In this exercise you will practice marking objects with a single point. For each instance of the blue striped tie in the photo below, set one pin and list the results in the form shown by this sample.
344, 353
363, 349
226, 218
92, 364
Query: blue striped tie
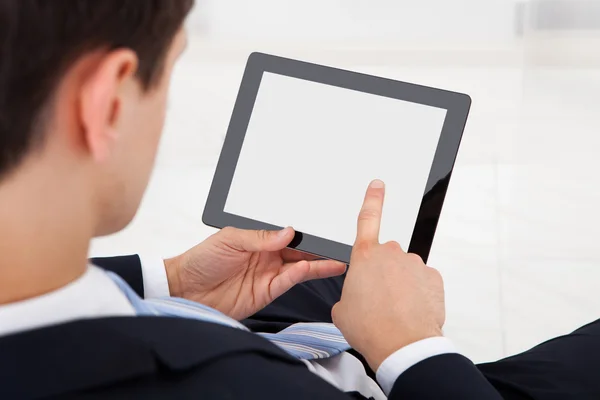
306, 341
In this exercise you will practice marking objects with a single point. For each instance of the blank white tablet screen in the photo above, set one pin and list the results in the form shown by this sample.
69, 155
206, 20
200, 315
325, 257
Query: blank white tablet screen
311, 151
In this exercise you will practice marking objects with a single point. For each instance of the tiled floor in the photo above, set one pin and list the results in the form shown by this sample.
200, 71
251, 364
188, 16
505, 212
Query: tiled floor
517, 239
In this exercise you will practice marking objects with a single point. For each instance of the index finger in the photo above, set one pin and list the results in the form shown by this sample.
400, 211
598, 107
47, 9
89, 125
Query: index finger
369, 219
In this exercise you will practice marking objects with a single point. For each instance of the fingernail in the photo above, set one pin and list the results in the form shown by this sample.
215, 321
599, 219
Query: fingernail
377, 184
283, 232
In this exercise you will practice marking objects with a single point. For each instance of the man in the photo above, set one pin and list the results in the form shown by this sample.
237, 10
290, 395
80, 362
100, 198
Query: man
83, 87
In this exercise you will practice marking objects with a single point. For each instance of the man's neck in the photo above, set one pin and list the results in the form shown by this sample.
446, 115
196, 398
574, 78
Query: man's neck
44, 235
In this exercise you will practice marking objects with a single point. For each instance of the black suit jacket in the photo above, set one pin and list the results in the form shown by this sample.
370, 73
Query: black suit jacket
172, 358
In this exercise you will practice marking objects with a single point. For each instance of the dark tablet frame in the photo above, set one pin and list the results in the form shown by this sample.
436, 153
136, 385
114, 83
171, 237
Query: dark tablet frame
456, 104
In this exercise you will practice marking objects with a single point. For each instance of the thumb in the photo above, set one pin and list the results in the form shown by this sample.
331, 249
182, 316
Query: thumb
335, 314
263, 240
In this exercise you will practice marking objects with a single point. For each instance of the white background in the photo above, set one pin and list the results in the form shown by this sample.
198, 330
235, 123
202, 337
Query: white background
517, 242
311, 150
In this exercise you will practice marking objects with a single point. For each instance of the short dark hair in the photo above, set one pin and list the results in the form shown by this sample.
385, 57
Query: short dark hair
41, 39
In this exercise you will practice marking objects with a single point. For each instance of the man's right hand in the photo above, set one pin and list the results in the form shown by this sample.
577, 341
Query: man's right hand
390, 299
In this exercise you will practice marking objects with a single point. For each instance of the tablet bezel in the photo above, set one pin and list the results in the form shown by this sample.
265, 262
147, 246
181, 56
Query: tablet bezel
456, 104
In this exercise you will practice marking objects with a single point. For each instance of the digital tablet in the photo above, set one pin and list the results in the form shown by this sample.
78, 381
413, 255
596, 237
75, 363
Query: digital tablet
305, 141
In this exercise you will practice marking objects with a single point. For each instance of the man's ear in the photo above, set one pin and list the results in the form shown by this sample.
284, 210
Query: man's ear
101, 101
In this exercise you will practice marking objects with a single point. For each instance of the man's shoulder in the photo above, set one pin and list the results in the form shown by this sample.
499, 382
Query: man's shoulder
130, 356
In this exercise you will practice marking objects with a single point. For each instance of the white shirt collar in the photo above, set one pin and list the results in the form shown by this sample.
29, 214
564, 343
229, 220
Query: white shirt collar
93, 295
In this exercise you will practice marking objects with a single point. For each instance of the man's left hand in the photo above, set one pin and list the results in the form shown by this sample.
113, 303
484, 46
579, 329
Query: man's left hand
239, 272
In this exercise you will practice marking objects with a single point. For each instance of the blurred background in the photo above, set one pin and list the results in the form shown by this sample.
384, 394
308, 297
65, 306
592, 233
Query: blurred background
517, 238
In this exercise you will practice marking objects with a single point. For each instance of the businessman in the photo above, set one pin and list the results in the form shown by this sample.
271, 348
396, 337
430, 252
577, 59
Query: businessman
83, 87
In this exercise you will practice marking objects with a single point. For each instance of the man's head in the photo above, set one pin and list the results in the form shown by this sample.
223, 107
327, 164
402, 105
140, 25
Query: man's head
83, 91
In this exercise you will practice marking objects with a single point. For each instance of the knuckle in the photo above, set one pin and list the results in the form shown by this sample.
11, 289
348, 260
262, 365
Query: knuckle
434, 273
228, 230
415, 258
335, 314
263, 234
368, 214
393, 246
375, 193
362, 249
436, 276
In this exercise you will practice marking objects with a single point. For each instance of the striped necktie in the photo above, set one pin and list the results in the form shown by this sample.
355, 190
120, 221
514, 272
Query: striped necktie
306, 341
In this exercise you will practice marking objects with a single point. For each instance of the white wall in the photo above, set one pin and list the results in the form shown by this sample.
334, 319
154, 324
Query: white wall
467, 21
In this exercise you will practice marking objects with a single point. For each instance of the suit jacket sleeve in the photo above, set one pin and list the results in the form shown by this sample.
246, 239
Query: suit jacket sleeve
127, 267
448, 376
